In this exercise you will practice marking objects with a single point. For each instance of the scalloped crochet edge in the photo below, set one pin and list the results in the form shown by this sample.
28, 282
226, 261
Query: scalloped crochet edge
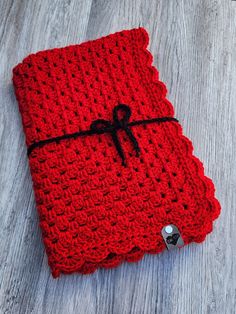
136, 254
207, 182
88, 267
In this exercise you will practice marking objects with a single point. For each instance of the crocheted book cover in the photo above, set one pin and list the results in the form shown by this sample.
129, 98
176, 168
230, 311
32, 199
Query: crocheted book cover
109, 162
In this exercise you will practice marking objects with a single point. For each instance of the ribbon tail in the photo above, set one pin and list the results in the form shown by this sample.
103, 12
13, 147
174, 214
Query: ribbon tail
118, 147
133, 140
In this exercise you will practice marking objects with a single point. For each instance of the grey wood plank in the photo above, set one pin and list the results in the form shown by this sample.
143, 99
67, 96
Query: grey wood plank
194, 48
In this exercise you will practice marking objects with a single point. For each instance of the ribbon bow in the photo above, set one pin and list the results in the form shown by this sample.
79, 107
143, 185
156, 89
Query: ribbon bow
101, 126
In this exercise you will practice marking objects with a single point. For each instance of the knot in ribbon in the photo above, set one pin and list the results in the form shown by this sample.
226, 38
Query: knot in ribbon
101, 126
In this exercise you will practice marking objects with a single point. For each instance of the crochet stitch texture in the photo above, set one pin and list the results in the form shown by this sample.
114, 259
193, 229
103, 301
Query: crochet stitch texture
93, 211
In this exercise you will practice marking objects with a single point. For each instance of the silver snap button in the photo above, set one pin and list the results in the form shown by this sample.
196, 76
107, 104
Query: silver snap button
169, 229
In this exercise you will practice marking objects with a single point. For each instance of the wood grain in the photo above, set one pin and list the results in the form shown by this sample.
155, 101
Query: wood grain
194, 48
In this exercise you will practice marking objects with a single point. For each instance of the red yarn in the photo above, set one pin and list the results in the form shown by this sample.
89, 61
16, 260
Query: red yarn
93, 211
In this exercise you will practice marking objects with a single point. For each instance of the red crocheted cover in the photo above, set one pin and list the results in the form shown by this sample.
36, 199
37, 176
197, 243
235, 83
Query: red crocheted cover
93, 211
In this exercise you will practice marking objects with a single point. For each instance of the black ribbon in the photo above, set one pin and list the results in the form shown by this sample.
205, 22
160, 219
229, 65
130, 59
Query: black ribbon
101, 126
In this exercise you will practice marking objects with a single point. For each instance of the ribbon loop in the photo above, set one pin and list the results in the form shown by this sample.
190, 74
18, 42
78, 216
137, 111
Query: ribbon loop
123, 121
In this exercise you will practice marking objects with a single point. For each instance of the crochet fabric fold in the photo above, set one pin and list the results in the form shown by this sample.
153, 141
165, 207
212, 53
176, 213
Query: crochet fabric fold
93, 211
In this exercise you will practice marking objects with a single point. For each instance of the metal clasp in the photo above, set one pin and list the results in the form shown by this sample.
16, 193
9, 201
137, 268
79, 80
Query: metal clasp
172, 237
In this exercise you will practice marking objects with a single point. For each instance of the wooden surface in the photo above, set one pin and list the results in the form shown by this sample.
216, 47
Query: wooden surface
194, 47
